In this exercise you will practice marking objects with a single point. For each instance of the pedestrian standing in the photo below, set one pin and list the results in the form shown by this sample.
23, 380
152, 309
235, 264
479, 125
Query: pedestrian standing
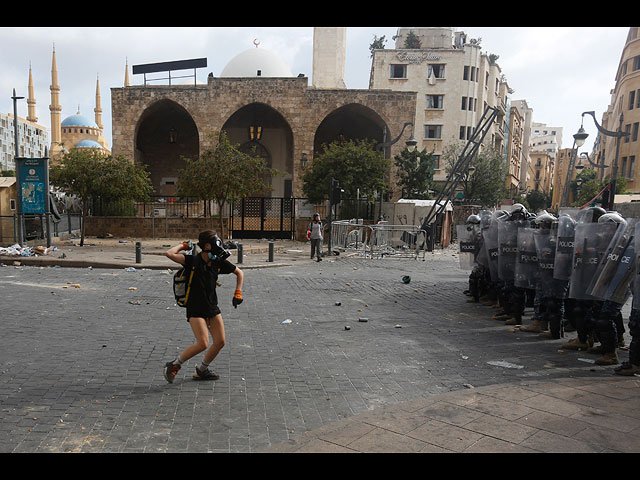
314, 233
203, 313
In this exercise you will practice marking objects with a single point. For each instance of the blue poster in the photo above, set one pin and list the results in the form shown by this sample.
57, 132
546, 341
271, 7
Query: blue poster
32, 174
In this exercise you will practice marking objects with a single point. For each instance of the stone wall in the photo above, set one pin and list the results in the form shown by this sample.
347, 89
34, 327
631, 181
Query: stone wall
302, 108
187, 228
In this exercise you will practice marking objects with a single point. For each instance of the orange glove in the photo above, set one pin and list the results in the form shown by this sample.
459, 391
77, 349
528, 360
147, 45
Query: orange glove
237, 298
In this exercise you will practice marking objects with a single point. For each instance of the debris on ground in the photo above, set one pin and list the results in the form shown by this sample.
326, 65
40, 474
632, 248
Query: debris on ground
17, 251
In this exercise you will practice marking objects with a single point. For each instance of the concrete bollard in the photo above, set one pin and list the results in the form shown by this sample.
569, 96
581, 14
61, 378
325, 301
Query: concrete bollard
239, 253
271, 251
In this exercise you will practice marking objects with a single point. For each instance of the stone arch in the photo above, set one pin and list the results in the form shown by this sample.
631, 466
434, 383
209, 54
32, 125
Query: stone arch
272, 138
351, 122
165, 135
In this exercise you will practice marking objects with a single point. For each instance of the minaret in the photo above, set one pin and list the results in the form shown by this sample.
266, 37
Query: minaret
98, 109
55, 108
329, 57
31, 100
126, 73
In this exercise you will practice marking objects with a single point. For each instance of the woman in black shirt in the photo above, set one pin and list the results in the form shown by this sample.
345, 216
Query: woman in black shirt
203, 313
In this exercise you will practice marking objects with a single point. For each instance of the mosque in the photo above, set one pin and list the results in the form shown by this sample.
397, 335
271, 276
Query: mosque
259, 103
75, 131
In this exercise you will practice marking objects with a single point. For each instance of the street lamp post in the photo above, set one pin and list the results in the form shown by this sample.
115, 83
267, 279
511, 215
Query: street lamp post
618, 134
20, 231
578, 140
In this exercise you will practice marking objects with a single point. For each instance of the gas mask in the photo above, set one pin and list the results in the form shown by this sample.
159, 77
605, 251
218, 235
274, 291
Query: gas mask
217, 251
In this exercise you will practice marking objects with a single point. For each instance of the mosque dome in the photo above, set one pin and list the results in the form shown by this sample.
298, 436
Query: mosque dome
78, 120
88, 144
256, 62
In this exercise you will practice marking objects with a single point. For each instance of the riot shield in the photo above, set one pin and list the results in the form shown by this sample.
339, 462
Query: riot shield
469, 244
490, 241
546, 247
507, 249
564, 247
611, 280
590, 244
635, 285
526, 268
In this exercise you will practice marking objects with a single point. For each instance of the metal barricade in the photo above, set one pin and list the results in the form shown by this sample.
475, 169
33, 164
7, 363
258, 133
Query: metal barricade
396, 241
380, 240
348, 235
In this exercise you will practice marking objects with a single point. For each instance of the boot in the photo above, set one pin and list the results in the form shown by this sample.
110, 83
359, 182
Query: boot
575, 344
596, 349
627, 369
513, 321
535, 327
610, 358
501, 316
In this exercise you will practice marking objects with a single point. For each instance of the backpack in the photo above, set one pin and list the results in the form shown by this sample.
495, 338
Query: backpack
182, 281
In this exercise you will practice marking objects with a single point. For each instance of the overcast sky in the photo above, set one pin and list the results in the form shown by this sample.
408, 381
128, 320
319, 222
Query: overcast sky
560, 71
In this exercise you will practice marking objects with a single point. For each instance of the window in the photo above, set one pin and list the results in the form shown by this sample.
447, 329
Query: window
462, 130
627, 128
465, 74
638, 99
436, 162
464, 103
636, 63
634, 134
433, 131
436, 69
632, 161
398, 71
474, 74
12, 203
632, 99
435, 101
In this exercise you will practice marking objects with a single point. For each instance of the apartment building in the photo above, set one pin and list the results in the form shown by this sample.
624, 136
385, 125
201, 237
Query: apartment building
625, 105
455, 81
32, 140
541, 172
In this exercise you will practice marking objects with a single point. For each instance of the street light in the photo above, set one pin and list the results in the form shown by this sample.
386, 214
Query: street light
618, 134
578, 140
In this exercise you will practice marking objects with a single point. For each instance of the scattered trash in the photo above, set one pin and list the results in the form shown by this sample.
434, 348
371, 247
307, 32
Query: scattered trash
363, 320
406, 279
130, 269
347, 327
338, 304
464, 357
505, 364
136, 302
398, 326
587, 360
17, 251
132, 288
285, 322
122, 241
467, 385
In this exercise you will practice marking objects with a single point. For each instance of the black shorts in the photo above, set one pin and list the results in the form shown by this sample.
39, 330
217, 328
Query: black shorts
212, 312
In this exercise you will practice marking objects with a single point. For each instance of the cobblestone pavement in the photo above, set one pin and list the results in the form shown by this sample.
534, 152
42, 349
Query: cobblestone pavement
82, 351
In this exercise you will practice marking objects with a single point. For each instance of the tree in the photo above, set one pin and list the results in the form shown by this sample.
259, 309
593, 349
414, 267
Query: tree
224, 174
590, 186
415, 173
537, 200
356, 164
90, 173
486, 184
412, 41
377, 44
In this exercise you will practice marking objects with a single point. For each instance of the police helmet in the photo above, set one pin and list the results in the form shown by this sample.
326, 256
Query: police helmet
545, 218
612, 217
597, 212
473, 219
519, 211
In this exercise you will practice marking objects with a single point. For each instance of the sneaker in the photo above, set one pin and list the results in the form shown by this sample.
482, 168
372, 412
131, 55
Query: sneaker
170, 371
627, 369
206, 375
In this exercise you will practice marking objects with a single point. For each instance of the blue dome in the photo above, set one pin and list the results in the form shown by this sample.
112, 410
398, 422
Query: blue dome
78, 121
88, 144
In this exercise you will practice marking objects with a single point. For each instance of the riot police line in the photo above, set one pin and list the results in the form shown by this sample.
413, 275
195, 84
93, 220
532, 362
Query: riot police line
576, 270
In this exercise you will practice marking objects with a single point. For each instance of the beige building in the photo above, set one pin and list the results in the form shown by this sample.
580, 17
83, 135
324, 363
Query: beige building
561, 166
8, 199
514, 151
454, 80
541, 172
625, 103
